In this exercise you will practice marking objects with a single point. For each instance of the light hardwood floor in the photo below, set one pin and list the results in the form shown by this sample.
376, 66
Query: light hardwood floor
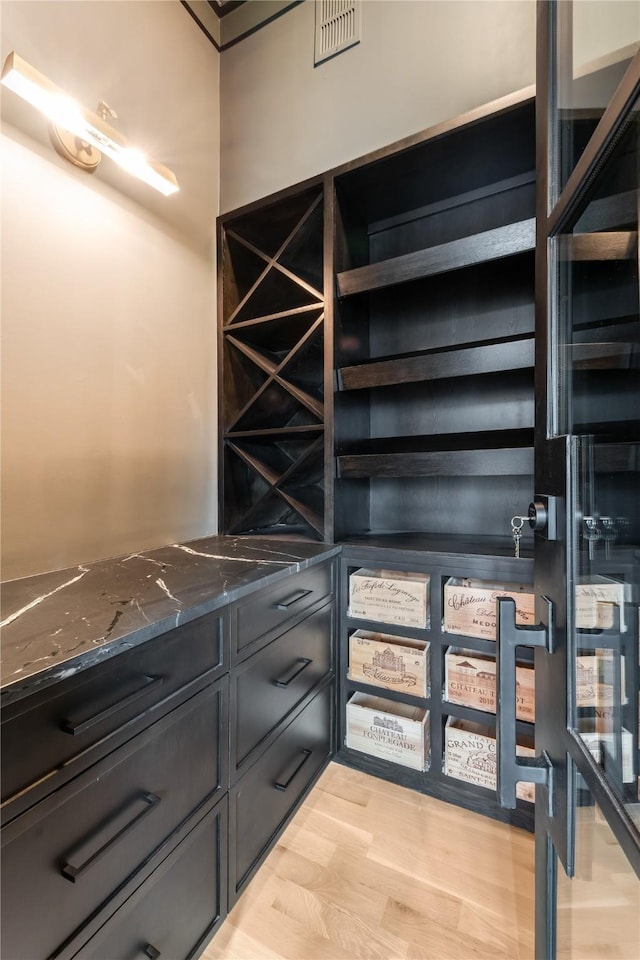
367, 869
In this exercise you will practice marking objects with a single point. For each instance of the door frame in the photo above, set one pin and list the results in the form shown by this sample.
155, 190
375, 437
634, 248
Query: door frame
555, 835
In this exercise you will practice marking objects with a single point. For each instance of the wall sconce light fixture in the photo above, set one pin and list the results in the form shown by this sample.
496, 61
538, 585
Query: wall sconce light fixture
81, 135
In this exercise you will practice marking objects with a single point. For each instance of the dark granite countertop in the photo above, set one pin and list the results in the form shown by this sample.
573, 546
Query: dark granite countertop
56, 624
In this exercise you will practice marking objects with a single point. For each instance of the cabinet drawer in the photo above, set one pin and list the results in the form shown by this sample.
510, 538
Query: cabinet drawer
265, 688
266, 795
178, 906
258, 616
62, 722
68, 855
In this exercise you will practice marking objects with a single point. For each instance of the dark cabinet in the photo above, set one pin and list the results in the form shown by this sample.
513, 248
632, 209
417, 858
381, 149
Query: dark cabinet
115, 838
77, 720
259, 617
262, 801
72, 852
267, 687
179, 908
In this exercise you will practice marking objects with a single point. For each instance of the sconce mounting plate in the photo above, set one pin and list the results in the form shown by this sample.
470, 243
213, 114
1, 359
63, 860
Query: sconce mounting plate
73, 148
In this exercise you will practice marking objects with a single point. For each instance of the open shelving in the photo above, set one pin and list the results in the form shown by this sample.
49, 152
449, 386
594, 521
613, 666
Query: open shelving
434, 333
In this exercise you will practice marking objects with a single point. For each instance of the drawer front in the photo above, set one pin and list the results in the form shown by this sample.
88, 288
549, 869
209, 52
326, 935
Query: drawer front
265, 796
269, 610
268, 686
70, 853
180, 904
61, 723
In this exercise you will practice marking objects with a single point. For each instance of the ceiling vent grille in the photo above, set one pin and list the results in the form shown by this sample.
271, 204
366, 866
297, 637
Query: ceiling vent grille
338, 26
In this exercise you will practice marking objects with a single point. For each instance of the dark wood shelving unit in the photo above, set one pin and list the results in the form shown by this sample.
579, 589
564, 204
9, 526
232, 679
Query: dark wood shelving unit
433, 404
272, 344
424, 344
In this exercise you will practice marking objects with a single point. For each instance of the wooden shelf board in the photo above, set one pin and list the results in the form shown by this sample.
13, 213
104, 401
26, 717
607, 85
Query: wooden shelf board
308, 514
613, 245
496, 548
441, 442
316, 447
393, 695
264, 363
282, 315
481, 248
311, 403
274, 432
605, 356
491, 357
509, 461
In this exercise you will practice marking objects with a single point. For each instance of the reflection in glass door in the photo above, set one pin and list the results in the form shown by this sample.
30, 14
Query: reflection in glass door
597, 377
587, 552
599, 910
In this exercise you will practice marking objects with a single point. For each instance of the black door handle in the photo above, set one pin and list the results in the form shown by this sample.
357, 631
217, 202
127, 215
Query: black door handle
95, 847
283, 782
75, 727
296, 598
294, 671
512, 769
151, 952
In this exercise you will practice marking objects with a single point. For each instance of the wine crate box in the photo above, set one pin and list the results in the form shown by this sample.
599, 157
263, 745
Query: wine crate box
395, 663
391, 731
470, 680
470, 607
595, 602
390, 596
470, 755
595, 680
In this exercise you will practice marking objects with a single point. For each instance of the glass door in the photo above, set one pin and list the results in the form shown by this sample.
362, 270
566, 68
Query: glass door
586, 514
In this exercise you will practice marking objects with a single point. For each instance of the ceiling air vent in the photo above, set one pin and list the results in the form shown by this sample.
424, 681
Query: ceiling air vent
338, 26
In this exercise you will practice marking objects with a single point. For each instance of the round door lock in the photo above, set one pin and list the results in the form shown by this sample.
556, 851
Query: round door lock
537, 515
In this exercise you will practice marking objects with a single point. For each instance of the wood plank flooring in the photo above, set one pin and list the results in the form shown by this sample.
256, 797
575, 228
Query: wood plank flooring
367, 869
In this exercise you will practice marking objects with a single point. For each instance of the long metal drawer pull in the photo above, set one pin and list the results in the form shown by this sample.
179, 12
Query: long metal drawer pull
75, 727
511, 768
151, 952
73, 872
296, 598
294, 671
285, 780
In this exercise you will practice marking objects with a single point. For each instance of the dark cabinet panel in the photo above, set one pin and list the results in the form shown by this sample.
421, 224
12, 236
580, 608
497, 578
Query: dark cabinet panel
265, 688
101, 704
73, 851
179, 907
267, 794
262, 614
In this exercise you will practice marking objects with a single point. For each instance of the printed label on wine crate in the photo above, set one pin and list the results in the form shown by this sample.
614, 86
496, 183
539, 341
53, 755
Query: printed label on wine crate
596, 602
470, 606
470, 680
470, 755
391, 731
390, 596
609, 750
395, 663
595, 680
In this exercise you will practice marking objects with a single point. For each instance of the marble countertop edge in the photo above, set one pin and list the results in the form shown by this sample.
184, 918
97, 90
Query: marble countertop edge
57, 624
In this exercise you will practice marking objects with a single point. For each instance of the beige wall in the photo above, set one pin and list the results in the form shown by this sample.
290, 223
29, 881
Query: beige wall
108, 306
419, 62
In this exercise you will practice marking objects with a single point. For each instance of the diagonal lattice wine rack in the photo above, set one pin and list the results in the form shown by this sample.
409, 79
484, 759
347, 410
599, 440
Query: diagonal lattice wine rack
273, 368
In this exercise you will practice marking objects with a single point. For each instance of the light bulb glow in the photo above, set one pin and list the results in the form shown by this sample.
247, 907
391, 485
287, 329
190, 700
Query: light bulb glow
24, 80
